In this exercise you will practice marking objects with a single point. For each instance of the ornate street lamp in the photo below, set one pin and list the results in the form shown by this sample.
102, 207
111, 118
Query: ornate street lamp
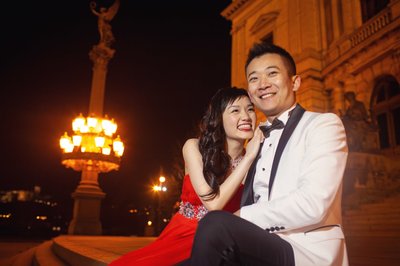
93, 140
93, 147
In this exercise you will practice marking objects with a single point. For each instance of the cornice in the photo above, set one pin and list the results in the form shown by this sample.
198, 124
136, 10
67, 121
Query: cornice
233, 8
263, 20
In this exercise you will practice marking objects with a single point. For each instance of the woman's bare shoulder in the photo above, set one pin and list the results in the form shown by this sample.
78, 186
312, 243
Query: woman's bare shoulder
191, 144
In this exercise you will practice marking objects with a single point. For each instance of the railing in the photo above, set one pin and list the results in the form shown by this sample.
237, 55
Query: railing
371, 27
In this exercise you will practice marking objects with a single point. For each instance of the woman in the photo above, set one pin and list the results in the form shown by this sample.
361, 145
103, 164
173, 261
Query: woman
215, 168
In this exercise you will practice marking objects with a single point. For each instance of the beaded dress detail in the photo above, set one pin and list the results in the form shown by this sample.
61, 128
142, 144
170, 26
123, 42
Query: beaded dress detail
191, 206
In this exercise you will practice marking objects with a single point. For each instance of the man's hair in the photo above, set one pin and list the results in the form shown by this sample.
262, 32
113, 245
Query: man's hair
263, 48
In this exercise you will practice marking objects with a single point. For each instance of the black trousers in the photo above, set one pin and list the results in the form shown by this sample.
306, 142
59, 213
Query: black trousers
225, 239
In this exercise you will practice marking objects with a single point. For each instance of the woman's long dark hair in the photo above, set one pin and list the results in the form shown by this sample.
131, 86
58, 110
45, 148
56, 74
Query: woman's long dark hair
212, 140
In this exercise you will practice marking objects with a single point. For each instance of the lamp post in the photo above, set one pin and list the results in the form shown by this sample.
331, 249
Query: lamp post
94, 146
159, 189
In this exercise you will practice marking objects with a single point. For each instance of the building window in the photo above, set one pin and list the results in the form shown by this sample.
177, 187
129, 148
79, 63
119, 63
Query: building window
386, 111
370, 8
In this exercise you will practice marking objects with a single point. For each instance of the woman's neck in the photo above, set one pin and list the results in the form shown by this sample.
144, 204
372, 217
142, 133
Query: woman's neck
235, 148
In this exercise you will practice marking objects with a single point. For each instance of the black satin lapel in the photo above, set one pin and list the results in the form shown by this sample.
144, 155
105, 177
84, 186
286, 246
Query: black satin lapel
247, 194
291, 124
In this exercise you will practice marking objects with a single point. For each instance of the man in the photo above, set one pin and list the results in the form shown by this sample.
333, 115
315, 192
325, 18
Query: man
291, 204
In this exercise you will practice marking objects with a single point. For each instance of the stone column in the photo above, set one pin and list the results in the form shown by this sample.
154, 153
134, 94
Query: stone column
88, 195
239, 55
87, 201
100, 55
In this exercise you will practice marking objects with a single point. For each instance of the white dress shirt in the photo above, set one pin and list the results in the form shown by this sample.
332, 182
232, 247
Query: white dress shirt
264, 164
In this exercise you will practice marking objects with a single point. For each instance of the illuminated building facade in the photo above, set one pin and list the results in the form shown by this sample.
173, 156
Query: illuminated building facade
346, 51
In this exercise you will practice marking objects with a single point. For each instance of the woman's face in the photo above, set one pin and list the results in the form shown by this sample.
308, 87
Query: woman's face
239, 119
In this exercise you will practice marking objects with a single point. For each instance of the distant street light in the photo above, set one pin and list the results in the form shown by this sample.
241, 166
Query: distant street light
160, 187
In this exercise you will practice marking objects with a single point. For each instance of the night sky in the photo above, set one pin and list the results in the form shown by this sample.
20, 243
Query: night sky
171, 56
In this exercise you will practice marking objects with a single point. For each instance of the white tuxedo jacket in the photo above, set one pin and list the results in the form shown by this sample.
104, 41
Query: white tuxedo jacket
304, 207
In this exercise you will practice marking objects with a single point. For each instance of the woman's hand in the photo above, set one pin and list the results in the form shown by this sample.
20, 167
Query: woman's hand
254, 144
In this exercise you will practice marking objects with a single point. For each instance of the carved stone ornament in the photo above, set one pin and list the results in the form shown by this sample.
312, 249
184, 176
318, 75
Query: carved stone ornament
263, 21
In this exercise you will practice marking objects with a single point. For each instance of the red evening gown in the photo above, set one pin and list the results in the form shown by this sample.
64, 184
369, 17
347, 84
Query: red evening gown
175, 242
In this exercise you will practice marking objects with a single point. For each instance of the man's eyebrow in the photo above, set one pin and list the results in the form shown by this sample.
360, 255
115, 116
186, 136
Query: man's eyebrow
273, 67
251, 73
269, 67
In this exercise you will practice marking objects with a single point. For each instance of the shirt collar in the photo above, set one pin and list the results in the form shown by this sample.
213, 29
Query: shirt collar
284, 117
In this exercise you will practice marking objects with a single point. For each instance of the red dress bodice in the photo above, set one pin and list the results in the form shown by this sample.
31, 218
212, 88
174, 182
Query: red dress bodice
189, 195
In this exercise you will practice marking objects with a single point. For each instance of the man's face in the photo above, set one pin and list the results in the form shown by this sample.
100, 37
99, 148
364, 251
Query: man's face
271, 88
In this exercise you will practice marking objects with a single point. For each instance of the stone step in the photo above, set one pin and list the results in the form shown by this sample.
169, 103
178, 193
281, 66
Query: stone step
44, 256
372, 234
372, 230
378, 247
382, 207
371, 211
373, 250
22, 259
375, 224
355, 215
95, 250
390, 200
371, 217
391, 203
395, 198
25, 258
374, 219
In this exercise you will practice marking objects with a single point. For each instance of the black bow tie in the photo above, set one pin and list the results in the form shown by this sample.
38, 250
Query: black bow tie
276, 124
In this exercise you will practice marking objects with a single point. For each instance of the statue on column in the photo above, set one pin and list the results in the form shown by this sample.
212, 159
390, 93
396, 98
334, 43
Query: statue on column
105, 15
357, 124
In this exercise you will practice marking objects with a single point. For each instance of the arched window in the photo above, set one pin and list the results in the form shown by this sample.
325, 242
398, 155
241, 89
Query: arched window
385, 106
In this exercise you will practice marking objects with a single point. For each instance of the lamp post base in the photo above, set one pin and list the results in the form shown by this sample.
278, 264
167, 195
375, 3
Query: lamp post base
86, 216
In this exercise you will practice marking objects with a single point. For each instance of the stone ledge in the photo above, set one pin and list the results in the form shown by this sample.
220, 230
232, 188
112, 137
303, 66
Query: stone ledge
44, 256
95, 250
101, 250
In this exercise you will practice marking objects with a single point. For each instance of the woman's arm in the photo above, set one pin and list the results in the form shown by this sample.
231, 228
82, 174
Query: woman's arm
194, 167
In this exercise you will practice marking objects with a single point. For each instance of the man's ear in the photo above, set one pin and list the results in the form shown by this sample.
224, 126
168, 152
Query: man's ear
296, 81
